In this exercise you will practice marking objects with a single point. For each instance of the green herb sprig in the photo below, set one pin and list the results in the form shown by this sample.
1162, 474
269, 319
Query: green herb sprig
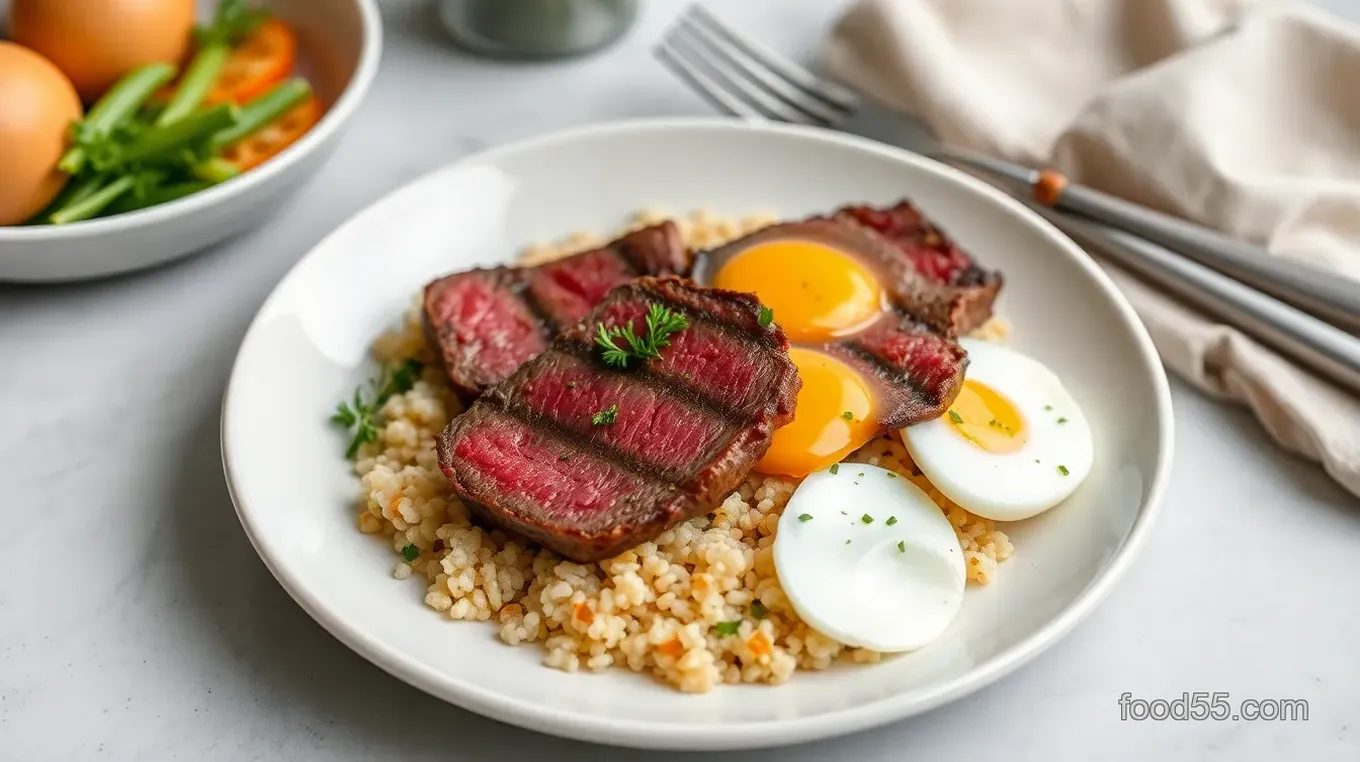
661, 321
362, 416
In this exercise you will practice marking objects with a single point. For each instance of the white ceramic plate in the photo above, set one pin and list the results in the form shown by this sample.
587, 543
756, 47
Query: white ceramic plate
307, 348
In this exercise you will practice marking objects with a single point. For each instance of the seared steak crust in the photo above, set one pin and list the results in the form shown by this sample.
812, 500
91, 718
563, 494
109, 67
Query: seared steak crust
530, 456
936, 257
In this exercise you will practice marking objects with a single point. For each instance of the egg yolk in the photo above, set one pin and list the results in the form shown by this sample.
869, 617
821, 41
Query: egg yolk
833, 417
816, 292
986, 419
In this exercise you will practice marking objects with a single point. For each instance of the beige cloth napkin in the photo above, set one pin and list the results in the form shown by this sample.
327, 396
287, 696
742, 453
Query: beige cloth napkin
1243, 116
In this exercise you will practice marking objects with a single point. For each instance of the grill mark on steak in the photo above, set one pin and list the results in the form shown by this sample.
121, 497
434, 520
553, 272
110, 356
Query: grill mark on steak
678, 387
486, 323
655, 488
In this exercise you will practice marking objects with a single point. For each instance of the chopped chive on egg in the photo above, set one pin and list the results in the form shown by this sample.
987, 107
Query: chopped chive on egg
998, 426
873, 593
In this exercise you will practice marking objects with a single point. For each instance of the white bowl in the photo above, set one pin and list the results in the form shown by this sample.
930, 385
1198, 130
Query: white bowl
340, 42
306, 349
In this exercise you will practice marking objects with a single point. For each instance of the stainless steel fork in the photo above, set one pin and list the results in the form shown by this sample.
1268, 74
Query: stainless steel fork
741, 77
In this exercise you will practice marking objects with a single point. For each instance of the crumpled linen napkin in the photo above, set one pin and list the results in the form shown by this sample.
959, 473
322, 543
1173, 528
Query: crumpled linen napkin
1240, 115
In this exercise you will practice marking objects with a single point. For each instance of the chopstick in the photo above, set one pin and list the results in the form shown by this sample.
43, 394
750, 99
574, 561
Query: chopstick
1313, 343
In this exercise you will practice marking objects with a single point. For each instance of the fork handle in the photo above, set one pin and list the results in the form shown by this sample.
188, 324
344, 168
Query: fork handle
1319, 346
1328, 296
1333, 298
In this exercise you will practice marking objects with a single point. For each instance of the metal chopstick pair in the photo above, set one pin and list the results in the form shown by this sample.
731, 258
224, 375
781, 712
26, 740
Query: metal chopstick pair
1295, 309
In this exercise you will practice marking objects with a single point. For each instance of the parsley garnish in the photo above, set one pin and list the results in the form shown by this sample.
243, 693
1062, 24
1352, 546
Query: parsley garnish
606, 417
1048, 407
1062, 420
728, 628
363, 416
835, 468
867, 519
766, 317
758, 610
955, 417
410, 553
902, 546
805, 517
891, 520
562, 457
1063, 470
892, 475
847, 415
847, 542
860, 475
661, 321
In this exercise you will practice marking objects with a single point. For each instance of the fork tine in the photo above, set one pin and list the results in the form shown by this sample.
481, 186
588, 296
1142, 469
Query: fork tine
701, 83
771, 81
683, 46
829, 91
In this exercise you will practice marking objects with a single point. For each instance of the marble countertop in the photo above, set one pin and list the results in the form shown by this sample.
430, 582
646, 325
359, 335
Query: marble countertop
136, 622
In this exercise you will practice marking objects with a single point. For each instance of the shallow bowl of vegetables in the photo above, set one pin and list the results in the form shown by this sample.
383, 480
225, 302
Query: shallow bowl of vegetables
152, 132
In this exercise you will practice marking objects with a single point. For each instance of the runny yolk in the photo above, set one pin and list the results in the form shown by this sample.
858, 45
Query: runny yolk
986, 419
816, 292
833, 417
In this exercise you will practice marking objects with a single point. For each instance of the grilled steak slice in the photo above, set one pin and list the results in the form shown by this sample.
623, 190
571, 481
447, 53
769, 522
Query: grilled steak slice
909, 352
486, 323
936, 257
686, 428
916, 373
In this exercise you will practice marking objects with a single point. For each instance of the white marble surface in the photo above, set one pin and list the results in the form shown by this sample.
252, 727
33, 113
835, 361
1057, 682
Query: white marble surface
136, 623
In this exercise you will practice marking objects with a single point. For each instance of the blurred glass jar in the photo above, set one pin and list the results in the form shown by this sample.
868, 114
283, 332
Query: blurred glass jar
536, 28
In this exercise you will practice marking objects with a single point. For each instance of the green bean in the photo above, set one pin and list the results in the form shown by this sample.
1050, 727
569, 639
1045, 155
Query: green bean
263, 110
115, 108
94, 203
157, 142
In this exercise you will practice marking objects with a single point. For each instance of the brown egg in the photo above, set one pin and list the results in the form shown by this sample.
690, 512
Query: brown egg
97, 41
37, 106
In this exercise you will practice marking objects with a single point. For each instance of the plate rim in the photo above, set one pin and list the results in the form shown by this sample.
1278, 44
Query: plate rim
645, 734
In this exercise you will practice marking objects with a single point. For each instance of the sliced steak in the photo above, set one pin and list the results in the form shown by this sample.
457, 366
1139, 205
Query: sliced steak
936, 257
686, 430
915, 371
909, 352
487, 323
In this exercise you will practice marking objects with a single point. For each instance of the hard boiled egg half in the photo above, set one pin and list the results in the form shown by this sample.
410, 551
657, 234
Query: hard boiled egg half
867, 558
1013, 444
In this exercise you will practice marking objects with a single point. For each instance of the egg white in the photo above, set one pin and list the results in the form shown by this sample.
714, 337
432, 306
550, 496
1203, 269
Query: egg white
849, 579
1052, 463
